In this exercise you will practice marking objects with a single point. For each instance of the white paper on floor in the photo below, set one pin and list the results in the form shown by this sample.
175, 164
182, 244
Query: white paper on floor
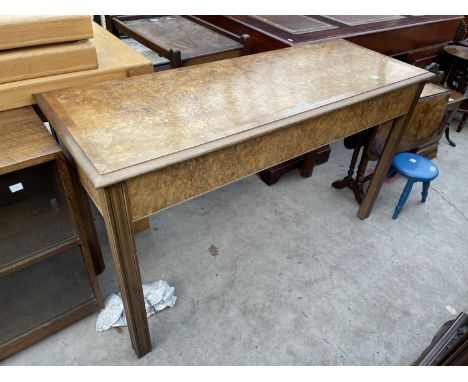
157, 295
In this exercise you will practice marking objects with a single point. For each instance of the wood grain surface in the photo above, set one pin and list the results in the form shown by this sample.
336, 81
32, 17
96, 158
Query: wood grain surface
183, 113
168, 186
433, 89
120, 233
391, 36
116, 60
24, 141
146, 143
352, 20
295, 24
424, 125
21, 31
40, 61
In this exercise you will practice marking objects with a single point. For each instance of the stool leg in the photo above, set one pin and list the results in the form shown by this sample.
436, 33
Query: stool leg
425, 190
403, 198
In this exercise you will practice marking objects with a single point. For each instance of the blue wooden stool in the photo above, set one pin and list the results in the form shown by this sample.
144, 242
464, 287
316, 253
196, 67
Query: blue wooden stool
417, 169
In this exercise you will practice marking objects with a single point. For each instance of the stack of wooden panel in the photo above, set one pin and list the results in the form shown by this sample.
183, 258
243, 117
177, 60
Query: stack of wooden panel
38, 46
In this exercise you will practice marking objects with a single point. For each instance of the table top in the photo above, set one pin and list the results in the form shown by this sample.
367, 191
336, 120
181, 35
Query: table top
192, 39
24, 141
115, 60
457, 51
300, 29
123, 129
455, 98
432, 90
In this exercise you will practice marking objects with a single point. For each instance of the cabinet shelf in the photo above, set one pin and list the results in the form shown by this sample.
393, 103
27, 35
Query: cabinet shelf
42, 255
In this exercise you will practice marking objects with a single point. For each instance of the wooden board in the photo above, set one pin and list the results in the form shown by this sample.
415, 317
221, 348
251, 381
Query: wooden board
40, 61
116, 60
21, 31
24, 141
183, 113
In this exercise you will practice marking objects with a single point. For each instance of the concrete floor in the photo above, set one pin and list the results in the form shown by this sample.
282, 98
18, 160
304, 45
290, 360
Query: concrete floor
299, 279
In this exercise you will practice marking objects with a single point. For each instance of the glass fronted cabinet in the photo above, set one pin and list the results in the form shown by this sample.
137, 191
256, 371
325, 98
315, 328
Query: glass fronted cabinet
47, 277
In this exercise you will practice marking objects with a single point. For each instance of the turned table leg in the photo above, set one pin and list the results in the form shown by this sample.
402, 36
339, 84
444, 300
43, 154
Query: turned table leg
120, 233
348, 180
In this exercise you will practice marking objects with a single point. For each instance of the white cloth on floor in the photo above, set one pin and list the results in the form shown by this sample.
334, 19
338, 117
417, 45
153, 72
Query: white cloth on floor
157, 296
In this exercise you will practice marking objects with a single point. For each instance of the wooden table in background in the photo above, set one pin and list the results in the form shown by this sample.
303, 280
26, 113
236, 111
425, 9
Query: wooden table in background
414, 39
183, 40
202, 127
418, 40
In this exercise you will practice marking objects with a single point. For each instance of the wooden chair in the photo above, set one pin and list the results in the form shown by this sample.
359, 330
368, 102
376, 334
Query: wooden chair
455, 103
456, 78
183, 40
455, 99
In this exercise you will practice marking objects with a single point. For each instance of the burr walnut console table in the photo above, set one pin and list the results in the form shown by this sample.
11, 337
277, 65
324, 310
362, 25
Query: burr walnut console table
146, 143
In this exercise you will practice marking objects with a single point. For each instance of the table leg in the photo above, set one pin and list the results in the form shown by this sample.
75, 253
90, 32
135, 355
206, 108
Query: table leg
87, 217
462, 122
447, 136
140, 225
383, 165
120, 233
309, 163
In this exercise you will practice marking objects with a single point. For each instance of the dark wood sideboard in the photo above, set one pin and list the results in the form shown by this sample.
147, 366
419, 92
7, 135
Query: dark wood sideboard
418, 40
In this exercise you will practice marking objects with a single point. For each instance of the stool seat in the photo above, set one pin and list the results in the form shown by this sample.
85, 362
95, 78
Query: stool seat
417, 169
414, 166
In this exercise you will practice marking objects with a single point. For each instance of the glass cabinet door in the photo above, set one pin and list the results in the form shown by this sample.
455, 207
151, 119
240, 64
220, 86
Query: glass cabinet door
41, 292
34, 213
